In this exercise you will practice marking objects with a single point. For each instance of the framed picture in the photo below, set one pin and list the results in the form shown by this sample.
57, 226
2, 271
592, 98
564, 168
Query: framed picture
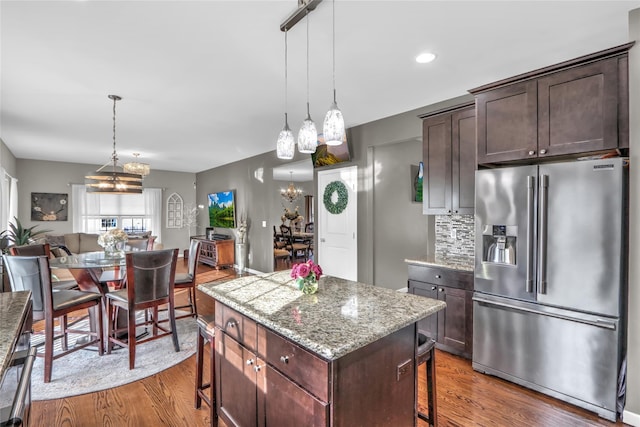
328, 155
49, 206
222, 209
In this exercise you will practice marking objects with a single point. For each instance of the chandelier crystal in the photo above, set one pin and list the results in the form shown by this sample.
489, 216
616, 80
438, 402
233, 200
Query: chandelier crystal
291, 193
333, 126
113, 182
137, 167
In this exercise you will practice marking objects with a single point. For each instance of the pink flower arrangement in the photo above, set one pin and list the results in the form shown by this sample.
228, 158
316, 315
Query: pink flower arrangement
306, 270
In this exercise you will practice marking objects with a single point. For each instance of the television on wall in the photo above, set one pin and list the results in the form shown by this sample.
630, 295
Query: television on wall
222, 209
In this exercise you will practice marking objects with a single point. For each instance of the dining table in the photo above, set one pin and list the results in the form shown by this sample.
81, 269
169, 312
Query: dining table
99, 272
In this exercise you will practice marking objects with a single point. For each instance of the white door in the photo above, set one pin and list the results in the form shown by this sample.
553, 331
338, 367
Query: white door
337, 222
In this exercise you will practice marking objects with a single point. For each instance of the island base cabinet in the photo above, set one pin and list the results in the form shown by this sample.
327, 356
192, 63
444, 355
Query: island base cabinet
235, 370
283, 403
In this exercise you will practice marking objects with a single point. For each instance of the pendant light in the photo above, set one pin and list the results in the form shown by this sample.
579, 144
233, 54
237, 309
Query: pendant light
333, 126
113, 182
286, 144
308, 135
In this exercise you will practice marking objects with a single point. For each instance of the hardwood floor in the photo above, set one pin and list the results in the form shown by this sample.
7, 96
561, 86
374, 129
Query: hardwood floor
464, 398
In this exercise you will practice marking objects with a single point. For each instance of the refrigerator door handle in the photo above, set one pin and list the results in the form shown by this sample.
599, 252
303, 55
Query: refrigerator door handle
600, 323
542, 248
530, 227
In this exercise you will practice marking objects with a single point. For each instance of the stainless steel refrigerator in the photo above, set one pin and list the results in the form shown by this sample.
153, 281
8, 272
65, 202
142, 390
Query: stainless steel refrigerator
550, 278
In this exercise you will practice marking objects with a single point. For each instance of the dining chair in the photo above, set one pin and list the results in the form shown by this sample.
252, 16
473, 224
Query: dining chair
149, 284
43, 249
188, 280
426, 354
295, 248
32, 273
308, 228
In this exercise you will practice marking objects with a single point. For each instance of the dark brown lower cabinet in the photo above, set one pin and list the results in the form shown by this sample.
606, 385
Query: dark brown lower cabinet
452, 328
264, 379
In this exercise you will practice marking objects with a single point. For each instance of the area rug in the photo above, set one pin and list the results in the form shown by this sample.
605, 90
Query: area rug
85, 371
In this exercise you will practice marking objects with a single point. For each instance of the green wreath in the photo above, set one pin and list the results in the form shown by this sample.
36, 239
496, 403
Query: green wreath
343, 197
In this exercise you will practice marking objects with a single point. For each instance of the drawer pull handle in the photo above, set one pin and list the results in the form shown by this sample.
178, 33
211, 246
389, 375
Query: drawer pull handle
433, 288
257, 368
284, 359
250, 362
441, 289
438, 276
232, 324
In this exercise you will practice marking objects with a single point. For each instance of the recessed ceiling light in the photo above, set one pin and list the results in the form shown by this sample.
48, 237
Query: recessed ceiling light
425, 57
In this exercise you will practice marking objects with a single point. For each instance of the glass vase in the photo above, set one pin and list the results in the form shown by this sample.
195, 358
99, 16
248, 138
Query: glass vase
307, 285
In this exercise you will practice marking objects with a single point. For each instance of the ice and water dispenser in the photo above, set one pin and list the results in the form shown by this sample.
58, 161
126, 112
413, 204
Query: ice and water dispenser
499, 244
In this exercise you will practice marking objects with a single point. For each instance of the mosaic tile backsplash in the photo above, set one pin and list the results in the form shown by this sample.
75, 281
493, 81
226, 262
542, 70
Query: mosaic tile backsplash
458, 250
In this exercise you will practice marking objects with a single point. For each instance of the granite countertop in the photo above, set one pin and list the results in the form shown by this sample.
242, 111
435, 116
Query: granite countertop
13, 309
441, 262
341, 317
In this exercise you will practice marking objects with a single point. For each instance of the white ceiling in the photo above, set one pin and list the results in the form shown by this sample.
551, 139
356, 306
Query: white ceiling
202, 82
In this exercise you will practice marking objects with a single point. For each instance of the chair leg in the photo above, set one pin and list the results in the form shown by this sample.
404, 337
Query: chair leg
100, 330
131, 339
194, 303
431, 388
48, 348
199, 363
213, 413
109, 326
174, 330
63, 329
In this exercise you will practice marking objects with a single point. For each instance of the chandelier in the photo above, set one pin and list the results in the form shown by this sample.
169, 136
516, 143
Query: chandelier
137, 167
291, 193
113, 182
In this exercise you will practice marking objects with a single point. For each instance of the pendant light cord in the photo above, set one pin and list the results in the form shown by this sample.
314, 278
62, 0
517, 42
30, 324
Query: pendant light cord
286, 94
333, 47
307, 16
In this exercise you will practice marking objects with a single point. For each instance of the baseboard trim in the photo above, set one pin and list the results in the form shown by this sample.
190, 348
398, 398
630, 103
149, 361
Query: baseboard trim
631, 418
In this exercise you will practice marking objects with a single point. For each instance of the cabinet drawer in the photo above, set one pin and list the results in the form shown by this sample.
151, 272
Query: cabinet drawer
237, 326
307, 370
441, 276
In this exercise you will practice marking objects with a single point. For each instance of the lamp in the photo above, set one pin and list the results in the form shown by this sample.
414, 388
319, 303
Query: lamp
286, 144
137, 167
291, 193
333, 126
308, 135
113, 182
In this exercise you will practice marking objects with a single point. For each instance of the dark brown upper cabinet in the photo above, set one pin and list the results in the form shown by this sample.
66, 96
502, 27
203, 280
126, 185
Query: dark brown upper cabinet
579, 106
449, 156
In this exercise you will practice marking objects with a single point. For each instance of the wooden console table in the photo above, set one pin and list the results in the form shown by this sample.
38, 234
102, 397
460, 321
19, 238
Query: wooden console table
218, 253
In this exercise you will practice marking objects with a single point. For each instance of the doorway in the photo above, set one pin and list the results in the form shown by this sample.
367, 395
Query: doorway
337, 226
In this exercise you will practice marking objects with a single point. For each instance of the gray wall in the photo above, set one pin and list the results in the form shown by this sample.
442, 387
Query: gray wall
55, 177
633, 342
7, 159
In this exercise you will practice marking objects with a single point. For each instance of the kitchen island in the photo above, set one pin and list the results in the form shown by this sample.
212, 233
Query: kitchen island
342, 357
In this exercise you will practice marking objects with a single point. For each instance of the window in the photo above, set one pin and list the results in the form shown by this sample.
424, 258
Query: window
97, 213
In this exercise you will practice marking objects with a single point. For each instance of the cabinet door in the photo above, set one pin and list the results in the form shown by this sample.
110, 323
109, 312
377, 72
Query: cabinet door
454, 323
436, 153
428, 324
463, 161
285, 404
507, 123
236, 399
578, 109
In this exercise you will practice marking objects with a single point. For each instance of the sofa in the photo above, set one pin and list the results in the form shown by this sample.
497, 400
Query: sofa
78, 243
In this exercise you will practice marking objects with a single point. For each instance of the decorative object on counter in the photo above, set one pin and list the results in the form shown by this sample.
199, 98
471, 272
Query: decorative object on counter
241, 247
49, 206
335, 187
113, 241
417, 183
113, 182
307, 275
